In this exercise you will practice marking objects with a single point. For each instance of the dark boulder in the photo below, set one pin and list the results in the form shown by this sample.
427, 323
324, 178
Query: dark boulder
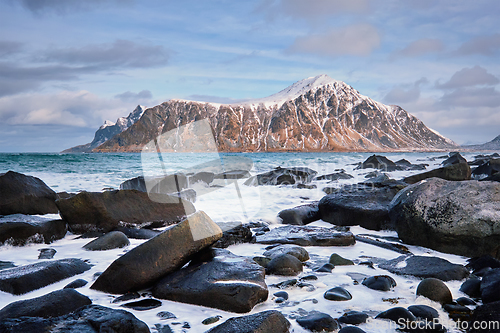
436, 290
487, 169
266, 321
224, 281
111, 240
300, 215
485, 319
451, 217
284, 264
203, 176
104, 211
282, 176
454, 159
337, 294
353, 318
335, 176
21, 194
297, 251
490, 286
472, 287
409, 166
478, 263
425, 267
451, 172
233, 174
47, 253
351, 329
318, 322
137, 183
379, 282
54, 304
76, 284
161, 255
306, 236
22, 279
396, 314
424, 312
20, 230
337, 260
89, 319
379, 162
234, 234
138, 233
143, 305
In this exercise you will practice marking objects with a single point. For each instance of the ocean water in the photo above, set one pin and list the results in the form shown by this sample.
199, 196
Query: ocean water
230, 202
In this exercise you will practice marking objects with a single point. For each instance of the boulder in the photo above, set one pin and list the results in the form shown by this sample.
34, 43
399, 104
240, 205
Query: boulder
266, 321
137, 183
22, 279
20, 230
306, 236
233, 174
282, 176
425, 267
300, 215
297, 251
337, 260
490, 286
452, 172
424, 312
362, 204
78, 283
23, 194
89, 319
284, 264
335, 176
225, 281
203, 176
241, 233
318, 322
353, 318
161, 255
351, 329
54, 304
472, 287
46, 253
138, 233
396, 314
379, 282
487, 169
143, 305
379, 162
409, 166
104, 211
485, 319
337, 294
455, 158
453, 217
111, 240
436, 290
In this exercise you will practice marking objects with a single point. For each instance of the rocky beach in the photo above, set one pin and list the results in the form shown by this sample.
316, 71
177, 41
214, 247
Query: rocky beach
351, 242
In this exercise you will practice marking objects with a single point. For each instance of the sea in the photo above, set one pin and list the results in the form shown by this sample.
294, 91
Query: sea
230, 202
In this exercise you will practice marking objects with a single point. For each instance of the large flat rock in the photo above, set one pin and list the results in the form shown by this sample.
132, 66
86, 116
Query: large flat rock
161, 255
266, 321
306, 236
21, 229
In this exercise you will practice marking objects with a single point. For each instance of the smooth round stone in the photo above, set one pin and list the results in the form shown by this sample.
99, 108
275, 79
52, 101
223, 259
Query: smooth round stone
351, 329
435, 290
309, 278
111, 240
379, 282
282, 294
353, 318
337, 294
142, 305
318, 322
424, 312
396, 314
472, 287
465, 301
326, 268
297, 251
164, 315
76, 284
284, 264
280, 300
337, 260
211, 320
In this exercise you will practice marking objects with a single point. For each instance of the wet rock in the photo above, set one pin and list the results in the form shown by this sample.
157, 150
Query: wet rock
236, 235
126, 297
465, 301
487, 169
76, 284
396, 247
233, 174
23, 194
136, 233
226, 281
20, 230
89, 319
486, 313
211, 320
54, 304
137, 183
454, 159
409, 166
88, 211
297, 251
164, 315
22, 279
286, 284
485, 261
379, 162
351, 329
163, 328
457, 312
6, 264
266, 321
281, 294
337, 294
326, 268
335, 176
396, 314
300, 215
307, 236
436, 290
46, 253
203, 176
424, 312
337, 260
452, 172
163, 254
424, 267
111, 240
452, 217
284, 264
318, 322
361, 204
490, 286
262, 261
143, 305
353, 318
472, 287
282, 176
379, 282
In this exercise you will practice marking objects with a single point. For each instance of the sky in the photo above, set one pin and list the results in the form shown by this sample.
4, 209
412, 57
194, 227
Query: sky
66, 66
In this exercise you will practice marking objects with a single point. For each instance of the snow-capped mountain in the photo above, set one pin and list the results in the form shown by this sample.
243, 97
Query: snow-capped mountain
315, 114
108, 130
491, 145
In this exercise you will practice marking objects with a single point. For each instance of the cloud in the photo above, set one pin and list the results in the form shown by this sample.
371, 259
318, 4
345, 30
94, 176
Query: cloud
404, 94
467, 77
65, 6
421, 47
358, 40
483, 45
9, 47
121, 53
71, 108
471, 97
130, 96
312, 9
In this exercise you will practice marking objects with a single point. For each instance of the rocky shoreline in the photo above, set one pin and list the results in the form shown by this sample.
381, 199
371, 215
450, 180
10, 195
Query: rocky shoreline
375, 246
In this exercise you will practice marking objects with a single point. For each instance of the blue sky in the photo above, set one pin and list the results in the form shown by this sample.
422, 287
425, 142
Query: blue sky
66, 66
